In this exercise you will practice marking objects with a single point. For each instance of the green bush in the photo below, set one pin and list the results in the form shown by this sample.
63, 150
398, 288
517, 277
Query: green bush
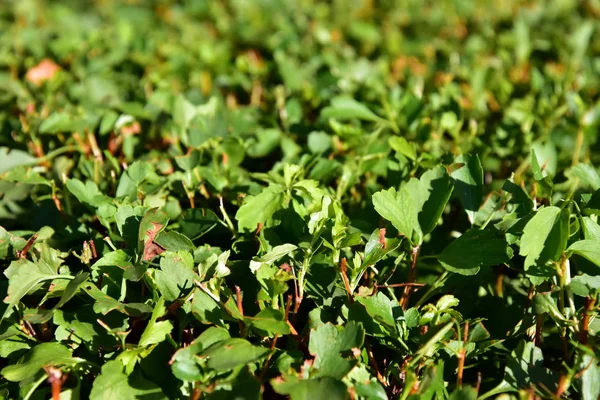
298, 198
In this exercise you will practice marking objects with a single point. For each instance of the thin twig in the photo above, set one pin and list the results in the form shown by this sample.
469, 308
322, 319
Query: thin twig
93, 248
196, 393
374, 365
461, 356
500, 281
297, 299
382, 240
288, 305
56, 380
478, 384
343, 269
539, 324
23, 253
412, 275
413, 284
238, 297
585, 323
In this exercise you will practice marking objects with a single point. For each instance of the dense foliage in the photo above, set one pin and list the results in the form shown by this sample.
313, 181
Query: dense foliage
299, 198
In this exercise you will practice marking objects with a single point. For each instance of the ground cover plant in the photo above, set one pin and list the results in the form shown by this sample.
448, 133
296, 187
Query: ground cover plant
299, 199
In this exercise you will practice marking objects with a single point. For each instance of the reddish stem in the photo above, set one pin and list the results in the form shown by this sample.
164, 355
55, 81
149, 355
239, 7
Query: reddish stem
585, 323
240, 307
30, 242
462, 355
412, 275
343, 269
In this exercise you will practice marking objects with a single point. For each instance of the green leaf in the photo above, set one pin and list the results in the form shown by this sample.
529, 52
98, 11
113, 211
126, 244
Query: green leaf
87, 192
23, 174
591, 230
186, 364
400, 208
436, 188
588, 249
156, 331
327, 343
260, 208
189, 161
474, 249
468, 182
587, 175
274, 255
44, 354
381, 309
590, 377
113, 383
13, 158
310, 389
117, 258
544, 239
175, 277
374, 250
526, 367
183, 112
59, 122
174, 241
68, 293
105, 304
546, 159
196, 222
268, 140
24, 276
319, 142
228, 354
206, 309
464, 393
270, 321
519, 197
416, 209
402, 146
344, 108
585, 285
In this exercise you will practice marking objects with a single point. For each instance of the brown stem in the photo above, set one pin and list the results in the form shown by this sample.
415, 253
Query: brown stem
382, 238
539, 324
563, 385
240, 307
585, 323
530, 296
196, 393
565, 348
93, 247
56, 380
57, 202
30, 242
343, 269
500, 282
288, 305
192, 201
478, 384
373, 364
461, 356
405, 284
84, 146
412, 275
